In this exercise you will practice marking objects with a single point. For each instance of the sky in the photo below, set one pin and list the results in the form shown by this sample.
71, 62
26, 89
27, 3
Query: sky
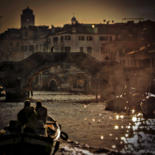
60, 12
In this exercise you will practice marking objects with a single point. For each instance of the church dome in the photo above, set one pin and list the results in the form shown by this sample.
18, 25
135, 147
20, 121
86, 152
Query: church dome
27, 11
73, 20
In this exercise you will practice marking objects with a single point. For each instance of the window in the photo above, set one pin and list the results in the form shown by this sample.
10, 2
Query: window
17, 44
67, 37
45, 47
36, 47
62, 38
26, 33
31, 48
102, 49
103, 38
81, 49
110, 38
52, 49
24, 48
81, 38
67, 49
89, 50
48, 40
40, 46
55, 39
89, 38
11, 43
62, 49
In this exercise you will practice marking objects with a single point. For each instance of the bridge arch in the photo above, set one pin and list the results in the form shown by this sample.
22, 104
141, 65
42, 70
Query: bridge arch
28, 68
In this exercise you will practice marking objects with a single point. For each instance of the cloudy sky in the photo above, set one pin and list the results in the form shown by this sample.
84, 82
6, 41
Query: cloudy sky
59, 12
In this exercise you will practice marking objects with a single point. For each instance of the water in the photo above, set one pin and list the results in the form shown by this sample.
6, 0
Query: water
90, 125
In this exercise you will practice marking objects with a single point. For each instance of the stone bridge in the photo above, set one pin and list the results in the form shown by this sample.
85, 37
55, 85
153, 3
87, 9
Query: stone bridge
112, 81
15, 76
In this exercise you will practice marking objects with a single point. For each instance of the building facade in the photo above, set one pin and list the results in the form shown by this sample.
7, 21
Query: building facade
93, 39
105, 42
75, 37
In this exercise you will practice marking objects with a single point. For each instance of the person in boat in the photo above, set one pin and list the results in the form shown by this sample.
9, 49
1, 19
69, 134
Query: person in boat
27, 118
41, 112
13, 127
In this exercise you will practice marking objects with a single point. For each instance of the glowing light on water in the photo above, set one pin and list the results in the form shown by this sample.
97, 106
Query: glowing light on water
121, 116
93, 119
85, 106
101, 137
117, 117
139, 114
93, 26
116, 127
126, 135
147, 97
122, 127
134, 119
128, 127
113, 146
100, 114
133, 111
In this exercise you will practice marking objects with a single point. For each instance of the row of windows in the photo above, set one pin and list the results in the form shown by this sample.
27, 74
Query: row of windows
55, 39
68, 49
31, 48
88, 49
82, 38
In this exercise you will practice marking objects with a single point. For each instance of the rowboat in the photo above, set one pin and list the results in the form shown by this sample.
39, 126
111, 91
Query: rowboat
29, 143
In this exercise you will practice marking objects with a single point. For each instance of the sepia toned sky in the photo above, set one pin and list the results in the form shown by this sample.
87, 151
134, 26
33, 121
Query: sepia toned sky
59, 12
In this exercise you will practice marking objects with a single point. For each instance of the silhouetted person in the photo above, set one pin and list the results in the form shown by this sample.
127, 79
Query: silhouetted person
13, 128
27, 117
41, 112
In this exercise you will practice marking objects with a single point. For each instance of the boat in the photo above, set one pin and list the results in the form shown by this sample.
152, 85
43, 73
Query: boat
25, 144
31, 144
148, 106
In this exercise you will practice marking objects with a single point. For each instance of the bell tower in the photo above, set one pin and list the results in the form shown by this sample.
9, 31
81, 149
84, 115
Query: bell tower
27, 18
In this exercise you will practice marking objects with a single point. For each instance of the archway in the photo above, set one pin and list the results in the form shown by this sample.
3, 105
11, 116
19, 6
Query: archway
53, 85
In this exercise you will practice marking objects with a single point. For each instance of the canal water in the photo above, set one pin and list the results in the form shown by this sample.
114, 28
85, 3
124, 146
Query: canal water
88, 124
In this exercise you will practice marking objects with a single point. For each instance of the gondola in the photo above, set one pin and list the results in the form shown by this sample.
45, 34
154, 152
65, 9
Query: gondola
31, 144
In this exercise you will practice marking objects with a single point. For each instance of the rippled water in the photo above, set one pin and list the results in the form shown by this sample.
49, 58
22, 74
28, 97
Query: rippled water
90, 124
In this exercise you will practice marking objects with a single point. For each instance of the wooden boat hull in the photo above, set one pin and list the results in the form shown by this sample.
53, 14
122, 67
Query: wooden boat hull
25, 144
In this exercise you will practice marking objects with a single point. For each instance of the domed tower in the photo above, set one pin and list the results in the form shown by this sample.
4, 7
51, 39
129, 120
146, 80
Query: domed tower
27, 18
73, 20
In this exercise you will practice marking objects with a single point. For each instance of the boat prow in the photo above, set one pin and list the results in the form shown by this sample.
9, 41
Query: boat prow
30, 143
25, 144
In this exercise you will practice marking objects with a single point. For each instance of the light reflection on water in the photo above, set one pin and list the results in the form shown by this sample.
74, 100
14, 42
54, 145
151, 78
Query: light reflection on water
91, 124
140, 137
